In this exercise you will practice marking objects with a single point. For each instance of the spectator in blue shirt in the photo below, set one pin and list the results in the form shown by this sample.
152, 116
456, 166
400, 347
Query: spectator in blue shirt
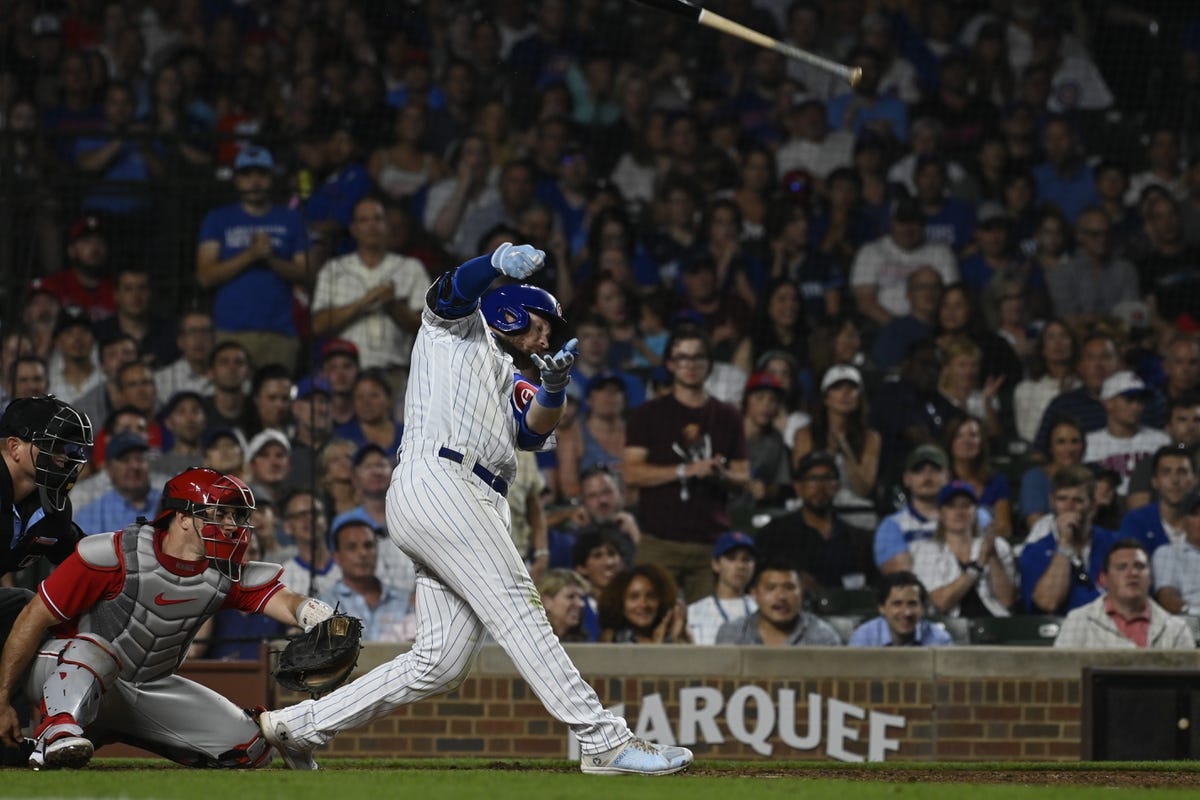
948, 220
1065, 551
863, 108
123, 154
330, 210
250, 253
900, 623
128, 466
1173, 476
381, 607
1064, 178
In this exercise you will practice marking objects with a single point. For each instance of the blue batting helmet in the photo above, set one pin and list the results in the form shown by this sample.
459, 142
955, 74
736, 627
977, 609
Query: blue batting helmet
507, 309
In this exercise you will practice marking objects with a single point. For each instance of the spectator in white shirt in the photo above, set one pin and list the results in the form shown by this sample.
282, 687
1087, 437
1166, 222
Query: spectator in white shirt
733, 562
196, 339
1123, 441
811, 146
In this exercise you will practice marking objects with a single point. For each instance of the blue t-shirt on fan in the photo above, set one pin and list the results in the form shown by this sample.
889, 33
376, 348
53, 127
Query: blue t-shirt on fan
258, 298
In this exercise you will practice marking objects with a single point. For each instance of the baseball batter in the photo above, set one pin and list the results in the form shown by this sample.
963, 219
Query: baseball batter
467, 410
121, 612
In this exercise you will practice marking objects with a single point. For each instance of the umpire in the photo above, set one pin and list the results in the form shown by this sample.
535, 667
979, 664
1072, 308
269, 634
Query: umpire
45, 444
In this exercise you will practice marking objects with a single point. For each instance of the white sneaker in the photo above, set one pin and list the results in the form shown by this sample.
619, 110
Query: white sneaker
65, 752
638, 757
295, 756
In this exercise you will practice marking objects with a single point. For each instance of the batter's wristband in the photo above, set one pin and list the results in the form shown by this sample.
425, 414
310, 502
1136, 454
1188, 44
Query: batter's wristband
551, 399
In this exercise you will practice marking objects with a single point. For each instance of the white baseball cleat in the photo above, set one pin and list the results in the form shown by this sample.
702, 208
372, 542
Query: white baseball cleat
638, 757
295, 755
65, 752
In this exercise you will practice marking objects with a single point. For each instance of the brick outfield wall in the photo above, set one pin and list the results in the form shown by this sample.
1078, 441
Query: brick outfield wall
957, 703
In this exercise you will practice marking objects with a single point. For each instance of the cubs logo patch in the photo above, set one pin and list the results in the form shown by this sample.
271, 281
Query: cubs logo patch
523, 393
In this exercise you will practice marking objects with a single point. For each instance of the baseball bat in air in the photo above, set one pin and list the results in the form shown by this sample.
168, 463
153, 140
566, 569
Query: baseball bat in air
690, 11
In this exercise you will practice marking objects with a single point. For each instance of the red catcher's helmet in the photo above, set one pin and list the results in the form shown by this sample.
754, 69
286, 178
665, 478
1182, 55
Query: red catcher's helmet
223, 503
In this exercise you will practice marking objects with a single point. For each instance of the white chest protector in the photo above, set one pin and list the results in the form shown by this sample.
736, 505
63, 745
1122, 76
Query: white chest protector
153, 620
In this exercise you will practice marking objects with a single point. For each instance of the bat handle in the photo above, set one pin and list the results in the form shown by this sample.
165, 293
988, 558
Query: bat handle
851, 75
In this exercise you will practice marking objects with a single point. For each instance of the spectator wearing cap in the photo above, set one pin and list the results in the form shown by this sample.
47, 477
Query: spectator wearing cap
829, 552
195, 339
268, 457
73, 371
923, 288
127, 463
183, 422
1173, 471
1065, 550
154, 334
1177, 564
926, 471
330, 211
1124, 440
770, 464
339, 365
994, 257
1183, 427
84, 283
864, 108
597, 439
224, 450
902, 600
1065, 178
969, 572
372, 298
733, 564
811, 146
780, 619
841, 426
881, 268
1085, 289
229, 367
251, 253
312, 426
948, 220
359, 592
1125, 616
100, 401
684, 453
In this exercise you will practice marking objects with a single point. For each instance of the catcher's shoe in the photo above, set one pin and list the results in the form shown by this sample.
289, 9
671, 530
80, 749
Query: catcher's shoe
638, 757
60, 744
294, 754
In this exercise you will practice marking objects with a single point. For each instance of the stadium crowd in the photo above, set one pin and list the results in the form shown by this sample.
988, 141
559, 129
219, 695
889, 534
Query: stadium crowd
920, 351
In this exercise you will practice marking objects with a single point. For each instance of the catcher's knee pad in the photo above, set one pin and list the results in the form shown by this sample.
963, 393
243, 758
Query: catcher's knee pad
85, 670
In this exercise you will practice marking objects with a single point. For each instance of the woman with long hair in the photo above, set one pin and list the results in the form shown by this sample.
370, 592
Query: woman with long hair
795, 258
372, 421
969, 573
753, 196
778, 324
958, 383
641, 606
404, 167
840, 426
334, 469
737, 270
1051, 372
598, 437
270, 399
1067, 444
970, 461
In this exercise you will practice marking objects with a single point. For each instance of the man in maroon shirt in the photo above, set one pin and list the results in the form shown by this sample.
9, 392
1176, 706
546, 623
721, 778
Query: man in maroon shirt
685, 452
84, 284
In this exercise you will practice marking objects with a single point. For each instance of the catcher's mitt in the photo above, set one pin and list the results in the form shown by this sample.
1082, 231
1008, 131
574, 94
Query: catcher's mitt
322, 659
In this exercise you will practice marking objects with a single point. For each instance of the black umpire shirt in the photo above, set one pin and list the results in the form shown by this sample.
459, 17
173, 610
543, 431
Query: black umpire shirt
28, 532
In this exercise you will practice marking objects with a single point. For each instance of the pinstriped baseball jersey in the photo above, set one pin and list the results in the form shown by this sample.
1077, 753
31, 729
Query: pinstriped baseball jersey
459, 393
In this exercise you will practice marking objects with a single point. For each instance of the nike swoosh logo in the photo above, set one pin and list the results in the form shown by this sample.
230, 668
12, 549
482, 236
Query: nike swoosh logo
159, 600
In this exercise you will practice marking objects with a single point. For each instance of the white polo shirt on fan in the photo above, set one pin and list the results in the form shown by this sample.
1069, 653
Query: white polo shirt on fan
882, 264
1123, 455
380, 341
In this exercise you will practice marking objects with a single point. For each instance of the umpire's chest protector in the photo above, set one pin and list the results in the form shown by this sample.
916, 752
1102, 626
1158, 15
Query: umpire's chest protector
158, 612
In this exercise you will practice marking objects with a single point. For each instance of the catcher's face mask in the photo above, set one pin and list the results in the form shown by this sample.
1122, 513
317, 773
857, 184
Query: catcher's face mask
220, 506
63, 447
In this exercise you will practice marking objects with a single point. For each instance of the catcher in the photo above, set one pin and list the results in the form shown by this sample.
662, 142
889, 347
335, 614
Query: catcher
120, 613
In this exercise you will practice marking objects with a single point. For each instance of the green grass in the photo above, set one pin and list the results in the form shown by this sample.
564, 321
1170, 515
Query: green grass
548, 780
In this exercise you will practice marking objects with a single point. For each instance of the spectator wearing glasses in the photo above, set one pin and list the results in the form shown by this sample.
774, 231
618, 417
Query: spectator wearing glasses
685, 452
1087, 287
195, 339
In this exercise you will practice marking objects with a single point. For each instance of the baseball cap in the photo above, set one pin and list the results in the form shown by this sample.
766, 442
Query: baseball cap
45, 25
762, 380
366, 450
813, 459
954, 489
1134, 313
211, 437
343, 347
926, 454
732, 541
841, 372
770, 355
253, 157
179, 397
72, 317
265, 437
308, 386
1122, 384
907, 210
602, 379
124, 443
355, 516
990, 213
38, 286
83, 227
805, 100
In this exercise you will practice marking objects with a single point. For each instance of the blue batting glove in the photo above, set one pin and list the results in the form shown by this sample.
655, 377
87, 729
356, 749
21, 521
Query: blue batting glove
556, 369
517, 260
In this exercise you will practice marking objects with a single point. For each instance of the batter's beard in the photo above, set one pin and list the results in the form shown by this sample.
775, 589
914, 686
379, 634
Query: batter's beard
521, 359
